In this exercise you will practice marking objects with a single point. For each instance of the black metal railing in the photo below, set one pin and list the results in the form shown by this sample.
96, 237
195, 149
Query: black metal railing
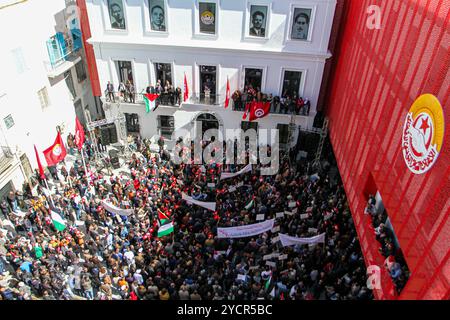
207, 99
277, 107
166, 99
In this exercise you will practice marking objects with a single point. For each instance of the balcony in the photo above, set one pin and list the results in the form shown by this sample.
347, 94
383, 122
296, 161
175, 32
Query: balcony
278, 106
63, 51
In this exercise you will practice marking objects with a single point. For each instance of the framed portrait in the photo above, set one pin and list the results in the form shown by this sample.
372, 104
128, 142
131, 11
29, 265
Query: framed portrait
258, 21
157, 13
301, 24
116, 14
207, 17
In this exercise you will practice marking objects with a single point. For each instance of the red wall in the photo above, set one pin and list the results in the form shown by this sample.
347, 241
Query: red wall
377, 77
89, 49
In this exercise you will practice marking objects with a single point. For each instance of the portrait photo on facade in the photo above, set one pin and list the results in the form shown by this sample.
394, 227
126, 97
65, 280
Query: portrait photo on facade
301, 23
258, 21
207, 16
116, 14
157, 15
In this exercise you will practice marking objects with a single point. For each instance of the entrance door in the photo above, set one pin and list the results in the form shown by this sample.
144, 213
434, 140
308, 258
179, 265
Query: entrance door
208, 122
132, 120
208, 84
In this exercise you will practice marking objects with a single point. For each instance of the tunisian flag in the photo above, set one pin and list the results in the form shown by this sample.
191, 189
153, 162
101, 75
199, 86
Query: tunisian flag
55, 153
186, 89
41, 169
227, 96
259, 110
79, 134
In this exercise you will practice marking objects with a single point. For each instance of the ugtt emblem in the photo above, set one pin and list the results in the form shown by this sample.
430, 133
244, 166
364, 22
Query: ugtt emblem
423, 133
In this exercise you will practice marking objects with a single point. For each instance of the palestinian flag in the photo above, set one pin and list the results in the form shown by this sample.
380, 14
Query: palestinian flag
165, 230
267, 284
249, 205
163, 218
150, 101
58, 222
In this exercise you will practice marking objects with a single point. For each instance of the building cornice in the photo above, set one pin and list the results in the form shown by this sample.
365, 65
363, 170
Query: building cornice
308, 56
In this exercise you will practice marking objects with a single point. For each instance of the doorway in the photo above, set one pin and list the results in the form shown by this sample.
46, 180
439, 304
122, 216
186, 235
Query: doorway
125, 71
208, 121
208, 84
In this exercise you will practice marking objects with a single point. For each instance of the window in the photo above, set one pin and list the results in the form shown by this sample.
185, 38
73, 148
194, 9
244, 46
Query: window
253, 77
69, 82
132, 121
207, 16
26, 165
9, 122
116, 14
258, 21
163, 72
301, 22
291, 83
19, 59
43, 98
166, 125
283, 132
125, 71
208, 75
81, 71
245, 125
157, 13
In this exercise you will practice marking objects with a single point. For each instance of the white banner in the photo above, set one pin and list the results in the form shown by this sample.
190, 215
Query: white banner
19, 213
289, 241
245, 231
226, 175
207, 205
116, 210
260, 217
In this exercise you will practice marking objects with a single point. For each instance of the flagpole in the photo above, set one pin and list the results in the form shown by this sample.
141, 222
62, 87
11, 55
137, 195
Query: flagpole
84, 163
51, 199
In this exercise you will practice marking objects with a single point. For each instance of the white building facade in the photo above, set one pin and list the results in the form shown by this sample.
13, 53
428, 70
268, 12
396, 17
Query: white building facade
278, 46
45, 87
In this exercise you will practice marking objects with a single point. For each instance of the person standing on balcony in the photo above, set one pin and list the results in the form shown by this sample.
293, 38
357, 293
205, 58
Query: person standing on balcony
159, 88
131, 91
150, 89
178, 96
123, 91
110, 92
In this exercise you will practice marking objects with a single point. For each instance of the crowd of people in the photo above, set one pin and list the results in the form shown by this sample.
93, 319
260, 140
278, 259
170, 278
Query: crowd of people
395, 262
168, 94
102, 255
288, 103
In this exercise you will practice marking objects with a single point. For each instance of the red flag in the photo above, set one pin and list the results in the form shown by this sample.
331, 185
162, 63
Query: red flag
248, 107
259, 110
186, 89
55, 153
227, 96
41, 169
79, 134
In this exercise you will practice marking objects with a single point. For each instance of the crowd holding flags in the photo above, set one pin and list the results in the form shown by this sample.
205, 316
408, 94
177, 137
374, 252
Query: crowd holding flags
57, 151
